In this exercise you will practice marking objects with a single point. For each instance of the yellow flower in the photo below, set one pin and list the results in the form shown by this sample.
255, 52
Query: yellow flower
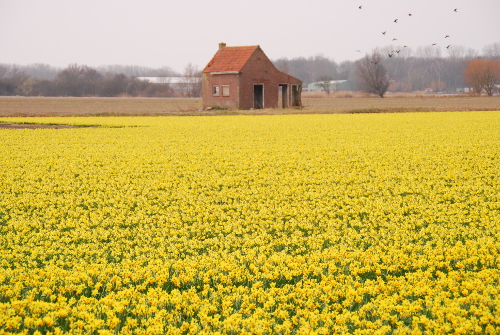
304, 223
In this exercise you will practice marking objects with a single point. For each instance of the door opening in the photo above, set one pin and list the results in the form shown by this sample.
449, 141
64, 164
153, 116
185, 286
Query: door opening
296, 95
283, 90
258, 96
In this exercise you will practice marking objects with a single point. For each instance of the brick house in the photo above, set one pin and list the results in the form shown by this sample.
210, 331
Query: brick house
244, 78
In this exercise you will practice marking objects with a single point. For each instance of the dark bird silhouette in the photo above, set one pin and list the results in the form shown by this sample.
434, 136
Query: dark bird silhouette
397, 51
394, 39
447, 36
455, 9
358, 51
405, 46
409, 14
396, 20
383, 33
434, 43
448, 46
360, 7
390, 55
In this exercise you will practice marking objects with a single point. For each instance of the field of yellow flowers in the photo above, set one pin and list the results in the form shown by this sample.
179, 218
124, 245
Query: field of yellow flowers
291, 224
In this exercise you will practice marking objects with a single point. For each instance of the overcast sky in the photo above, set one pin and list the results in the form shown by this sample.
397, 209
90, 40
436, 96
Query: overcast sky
159, 33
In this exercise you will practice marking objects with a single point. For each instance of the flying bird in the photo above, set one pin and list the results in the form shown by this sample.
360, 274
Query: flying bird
394, 39
397, 51
447, 36
396, 20
434, 43
409, 14
383, 33
455, 9
360, 7
448, 46
390, 55
405, 46
358, 51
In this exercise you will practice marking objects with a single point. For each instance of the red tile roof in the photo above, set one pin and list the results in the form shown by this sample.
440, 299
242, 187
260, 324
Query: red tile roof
230, 59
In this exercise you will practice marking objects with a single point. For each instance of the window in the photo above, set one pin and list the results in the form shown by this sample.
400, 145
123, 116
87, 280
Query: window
215, 90
225, 90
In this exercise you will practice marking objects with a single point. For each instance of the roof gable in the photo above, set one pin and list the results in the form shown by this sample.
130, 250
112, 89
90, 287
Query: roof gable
230, 59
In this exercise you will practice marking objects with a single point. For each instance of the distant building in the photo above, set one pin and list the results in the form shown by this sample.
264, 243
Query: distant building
179, 84
244, 78
463, 90
334, 85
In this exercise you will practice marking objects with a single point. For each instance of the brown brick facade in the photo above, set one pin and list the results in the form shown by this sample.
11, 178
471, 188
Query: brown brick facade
211, 100
251, 80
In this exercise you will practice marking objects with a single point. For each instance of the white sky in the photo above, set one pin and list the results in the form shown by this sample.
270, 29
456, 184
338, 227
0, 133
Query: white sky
159, 33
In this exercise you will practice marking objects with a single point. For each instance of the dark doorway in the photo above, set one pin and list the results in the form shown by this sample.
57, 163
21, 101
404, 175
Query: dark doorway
258, 96
283, 95
296, 95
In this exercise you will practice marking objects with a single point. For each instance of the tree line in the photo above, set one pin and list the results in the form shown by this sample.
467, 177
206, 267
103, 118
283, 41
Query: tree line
482, 75
106, 81
404, 69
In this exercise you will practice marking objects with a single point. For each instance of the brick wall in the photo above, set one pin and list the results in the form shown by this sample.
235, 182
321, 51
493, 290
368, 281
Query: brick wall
209, 100
260, 70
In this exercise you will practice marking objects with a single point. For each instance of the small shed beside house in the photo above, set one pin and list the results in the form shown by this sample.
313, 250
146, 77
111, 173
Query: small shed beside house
244, 78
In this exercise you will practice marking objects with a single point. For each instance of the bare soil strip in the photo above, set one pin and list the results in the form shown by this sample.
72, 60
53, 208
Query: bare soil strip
63, 106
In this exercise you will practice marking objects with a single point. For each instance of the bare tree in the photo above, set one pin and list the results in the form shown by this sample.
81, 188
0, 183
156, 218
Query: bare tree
461, 52
437, 65
404, 52
12, 80
320, 66
345, 69
3, 70
283, 65
18, 78
429, 52
70, 80
325, 82
91, 79
41, 71
165, 71
492, 51
385, 50
114, 85
133, 71
371, 75
482, 74
192, 80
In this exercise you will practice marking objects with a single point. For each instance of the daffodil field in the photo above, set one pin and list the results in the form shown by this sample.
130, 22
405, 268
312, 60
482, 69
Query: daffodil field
284, 224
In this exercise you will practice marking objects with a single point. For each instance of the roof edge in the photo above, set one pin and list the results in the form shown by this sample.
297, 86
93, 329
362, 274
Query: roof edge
225, 72
222, 49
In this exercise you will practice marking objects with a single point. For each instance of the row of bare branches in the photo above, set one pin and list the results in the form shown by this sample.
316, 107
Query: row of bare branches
81, 80
372, 77
409, 69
